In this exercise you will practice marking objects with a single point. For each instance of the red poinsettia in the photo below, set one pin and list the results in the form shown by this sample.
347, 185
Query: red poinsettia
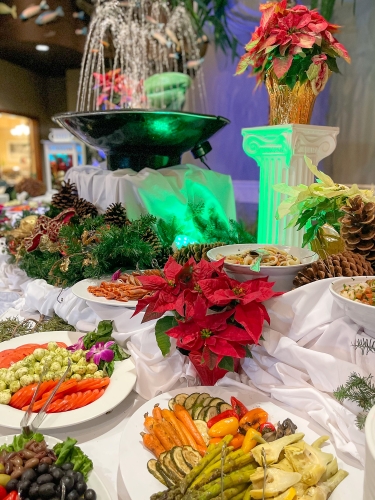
247, 297
286, 42
214, 315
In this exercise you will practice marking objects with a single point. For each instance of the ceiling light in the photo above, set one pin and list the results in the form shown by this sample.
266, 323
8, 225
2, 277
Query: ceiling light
42, 48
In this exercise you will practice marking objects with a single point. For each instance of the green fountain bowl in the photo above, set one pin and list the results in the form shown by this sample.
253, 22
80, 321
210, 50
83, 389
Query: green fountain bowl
138, 138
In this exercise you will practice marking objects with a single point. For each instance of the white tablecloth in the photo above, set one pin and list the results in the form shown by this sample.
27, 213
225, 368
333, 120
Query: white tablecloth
306, 354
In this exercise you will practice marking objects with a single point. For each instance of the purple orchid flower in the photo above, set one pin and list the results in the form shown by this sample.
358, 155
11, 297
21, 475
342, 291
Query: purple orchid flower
77, 346
116, 275
101, 351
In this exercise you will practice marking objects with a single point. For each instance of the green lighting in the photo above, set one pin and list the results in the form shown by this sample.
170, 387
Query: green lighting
183, 241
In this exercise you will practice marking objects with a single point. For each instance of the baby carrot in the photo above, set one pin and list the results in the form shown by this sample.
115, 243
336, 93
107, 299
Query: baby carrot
152, 443
156, 413
172, 432
149, 423
161, 433
170, 417
184, 416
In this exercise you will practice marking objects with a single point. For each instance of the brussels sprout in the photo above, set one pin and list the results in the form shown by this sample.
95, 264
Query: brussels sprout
3, 385
20, 372
3, 372
77, 355
29, 360
65, 362
76, 376
98, 374
78, 369
88, 375
91, 368
52, 346
15, 366
65, 353
14, 386
36, 378
38, 368
55, 367
50, 376
82, 362
26, 380
10, 377
48, 359
39, 354
5, 397
58, 359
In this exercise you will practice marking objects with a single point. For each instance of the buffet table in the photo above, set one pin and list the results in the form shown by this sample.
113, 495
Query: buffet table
305, 355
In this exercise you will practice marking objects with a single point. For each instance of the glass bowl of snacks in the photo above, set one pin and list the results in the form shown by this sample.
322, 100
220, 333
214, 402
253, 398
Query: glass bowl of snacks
280, 263
356, 295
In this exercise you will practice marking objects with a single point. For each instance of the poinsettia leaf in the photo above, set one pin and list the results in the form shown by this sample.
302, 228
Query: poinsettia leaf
162, 326
308, 236
150, 314
227, 363
304, 218
247, 350
281, 65
332, 64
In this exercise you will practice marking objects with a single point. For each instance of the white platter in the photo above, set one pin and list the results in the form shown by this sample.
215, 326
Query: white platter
282, 275
94, 481
122, 383
140, 484
80, 291
362, 314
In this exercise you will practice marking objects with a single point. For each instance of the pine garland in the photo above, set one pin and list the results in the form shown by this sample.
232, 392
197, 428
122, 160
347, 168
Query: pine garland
359, 390
14, 327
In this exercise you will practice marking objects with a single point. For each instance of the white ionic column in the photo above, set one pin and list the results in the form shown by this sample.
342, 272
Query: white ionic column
279, 151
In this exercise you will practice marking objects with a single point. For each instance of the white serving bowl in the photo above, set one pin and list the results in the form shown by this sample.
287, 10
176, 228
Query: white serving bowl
369, 484
282, 276
361, 314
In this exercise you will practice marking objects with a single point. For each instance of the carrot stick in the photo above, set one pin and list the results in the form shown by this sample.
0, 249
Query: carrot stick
149, 423
152, 443
161, 433
170, 417
172, 432
156, 413
184, 416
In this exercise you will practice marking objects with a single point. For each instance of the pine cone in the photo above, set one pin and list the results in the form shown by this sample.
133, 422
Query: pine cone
84, 208
342, 264
152, 238
196, 250
115, 215
66, 197
358, 227
33, 187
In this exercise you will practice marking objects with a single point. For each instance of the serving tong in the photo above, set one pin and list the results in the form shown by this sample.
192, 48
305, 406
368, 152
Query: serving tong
264, 460
258, 254
28, 429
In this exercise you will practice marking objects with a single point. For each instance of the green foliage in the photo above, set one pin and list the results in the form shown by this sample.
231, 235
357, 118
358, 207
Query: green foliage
365, 345
12, 327
162, 326
211, 13
359, 390
227, 363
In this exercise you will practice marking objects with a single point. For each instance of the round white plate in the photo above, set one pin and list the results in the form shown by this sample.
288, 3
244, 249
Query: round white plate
140, 484
122, 382
283, 276
80, 291
94, 481
362, 314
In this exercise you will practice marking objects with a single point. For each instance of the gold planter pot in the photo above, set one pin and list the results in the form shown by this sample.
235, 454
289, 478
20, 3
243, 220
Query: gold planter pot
289, 106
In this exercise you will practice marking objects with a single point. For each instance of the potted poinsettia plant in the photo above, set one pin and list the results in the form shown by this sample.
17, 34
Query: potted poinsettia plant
294, 52
214, 319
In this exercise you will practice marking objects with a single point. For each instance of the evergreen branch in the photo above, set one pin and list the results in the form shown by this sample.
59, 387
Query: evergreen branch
359, 390
365, 345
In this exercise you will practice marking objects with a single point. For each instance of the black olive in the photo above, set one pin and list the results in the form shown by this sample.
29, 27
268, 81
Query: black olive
44, 478
58, 491
34, 491
47, 490
68, 481
12, 485
70, 473
67, 466
23, 486
89, 495
29, 475
57, 474
79, 477
42, 469
81, 487
73, 495
52, 468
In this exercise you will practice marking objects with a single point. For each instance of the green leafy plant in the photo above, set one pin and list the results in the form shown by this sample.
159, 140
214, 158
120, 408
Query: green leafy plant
326, 7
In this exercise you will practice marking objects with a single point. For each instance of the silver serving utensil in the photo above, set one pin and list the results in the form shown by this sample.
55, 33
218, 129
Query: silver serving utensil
40, 417
26, 431
264, 460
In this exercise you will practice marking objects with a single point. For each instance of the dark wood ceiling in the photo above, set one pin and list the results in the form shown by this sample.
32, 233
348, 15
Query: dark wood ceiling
18, 39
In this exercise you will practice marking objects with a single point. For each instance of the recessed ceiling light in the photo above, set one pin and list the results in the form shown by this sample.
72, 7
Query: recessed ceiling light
42, 48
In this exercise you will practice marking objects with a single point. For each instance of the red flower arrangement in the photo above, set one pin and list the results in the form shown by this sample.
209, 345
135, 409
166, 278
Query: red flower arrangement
214, 316
117, 90
296, 43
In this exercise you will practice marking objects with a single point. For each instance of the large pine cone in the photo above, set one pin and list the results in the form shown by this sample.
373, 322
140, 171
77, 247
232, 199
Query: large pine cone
66, 197
358, 227
196, 250
33, 187
342, 264
115, 215
84, 208
152, 238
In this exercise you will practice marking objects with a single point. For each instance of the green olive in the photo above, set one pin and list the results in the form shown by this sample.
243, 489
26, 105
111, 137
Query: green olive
4, 479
